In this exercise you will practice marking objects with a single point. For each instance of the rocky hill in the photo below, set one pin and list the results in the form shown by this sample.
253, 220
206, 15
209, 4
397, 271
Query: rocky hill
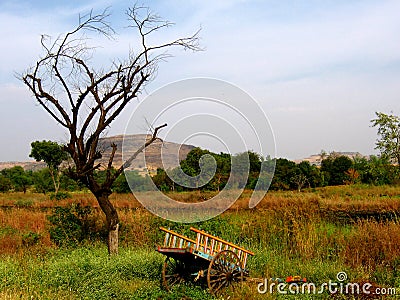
316, 159
27, 165
160, 154
172, 153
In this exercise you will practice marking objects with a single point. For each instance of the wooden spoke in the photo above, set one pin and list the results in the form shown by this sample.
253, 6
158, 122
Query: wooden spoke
173, 273
224, 272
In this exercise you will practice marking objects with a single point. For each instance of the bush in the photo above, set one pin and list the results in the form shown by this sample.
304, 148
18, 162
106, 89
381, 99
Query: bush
60, 196
73, 224
30, 239
24, 203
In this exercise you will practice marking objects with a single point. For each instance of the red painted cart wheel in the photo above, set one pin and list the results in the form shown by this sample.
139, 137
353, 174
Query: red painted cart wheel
173, 273
224, 273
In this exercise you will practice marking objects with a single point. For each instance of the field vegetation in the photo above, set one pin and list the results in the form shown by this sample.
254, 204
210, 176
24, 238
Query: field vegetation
54, 249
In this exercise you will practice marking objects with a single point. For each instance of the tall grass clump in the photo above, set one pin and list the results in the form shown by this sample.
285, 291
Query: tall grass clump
373, 244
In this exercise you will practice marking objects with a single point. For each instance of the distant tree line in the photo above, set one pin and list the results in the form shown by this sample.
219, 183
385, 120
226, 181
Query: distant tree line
205, 170
200, 163
334, 170
16, 179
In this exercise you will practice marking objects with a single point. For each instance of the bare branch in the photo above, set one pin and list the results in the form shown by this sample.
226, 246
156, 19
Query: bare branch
147, 22
86, 100
110, 161
35, 85
97, 23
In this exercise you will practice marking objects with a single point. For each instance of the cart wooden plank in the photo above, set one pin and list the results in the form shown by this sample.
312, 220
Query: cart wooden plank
207, 246
176, 240
203, 233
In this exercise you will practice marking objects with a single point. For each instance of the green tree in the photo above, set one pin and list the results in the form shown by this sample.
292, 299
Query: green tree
19, 178
312, 173
263, 179
335, 168
191, 164
245, 169
376, 170
136, 182
68, 184
42, 181
388, 142
203, 170
223, 170
200, 165
300, 180
163, 181
5, 183
285, 170
53, 155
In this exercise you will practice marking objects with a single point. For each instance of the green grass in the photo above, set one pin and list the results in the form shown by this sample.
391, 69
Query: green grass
89, 273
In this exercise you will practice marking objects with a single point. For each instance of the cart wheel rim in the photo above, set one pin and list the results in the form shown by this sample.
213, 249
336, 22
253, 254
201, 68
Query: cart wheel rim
224, 272
172, 273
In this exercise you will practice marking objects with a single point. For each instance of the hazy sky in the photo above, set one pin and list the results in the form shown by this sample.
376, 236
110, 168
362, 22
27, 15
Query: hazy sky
319, 69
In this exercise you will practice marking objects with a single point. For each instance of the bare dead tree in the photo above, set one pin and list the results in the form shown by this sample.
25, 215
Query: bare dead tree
85, 100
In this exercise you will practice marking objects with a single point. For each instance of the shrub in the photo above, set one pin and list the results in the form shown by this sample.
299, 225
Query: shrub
30, 239
60, 196
24, 203
73, 224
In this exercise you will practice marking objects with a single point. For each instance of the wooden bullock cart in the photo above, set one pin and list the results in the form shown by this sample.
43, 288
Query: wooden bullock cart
221, 263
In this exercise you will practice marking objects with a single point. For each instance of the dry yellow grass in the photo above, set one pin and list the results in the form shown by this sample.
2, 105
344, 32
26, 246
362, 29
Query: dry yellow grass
373, 243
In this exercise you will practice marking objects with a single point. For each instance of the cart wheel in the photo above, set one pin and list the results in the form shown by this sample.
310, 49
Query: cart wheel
173, 272
225, 271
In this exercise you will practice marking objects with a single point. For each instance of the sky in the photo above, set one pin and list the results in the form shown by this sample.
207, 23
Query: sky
318, 69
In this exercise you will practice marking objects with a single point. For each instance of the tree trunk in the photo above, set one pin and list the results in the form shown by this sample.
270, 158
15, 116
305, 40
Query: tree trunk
53, 178
113, 240
112, 221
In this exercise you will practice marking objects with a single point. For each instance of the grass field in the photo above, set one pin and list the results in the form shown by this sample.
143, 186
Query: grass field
315, 234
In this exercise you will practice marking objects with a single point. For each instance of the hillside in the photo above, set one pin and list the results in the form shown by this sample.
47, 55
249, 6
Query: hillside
172, 153
27, 165
316, 159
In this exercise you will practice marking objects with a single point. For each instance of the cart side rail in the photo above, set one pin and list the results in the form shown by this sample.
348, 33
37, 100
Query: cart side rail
175, 240
211, 245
